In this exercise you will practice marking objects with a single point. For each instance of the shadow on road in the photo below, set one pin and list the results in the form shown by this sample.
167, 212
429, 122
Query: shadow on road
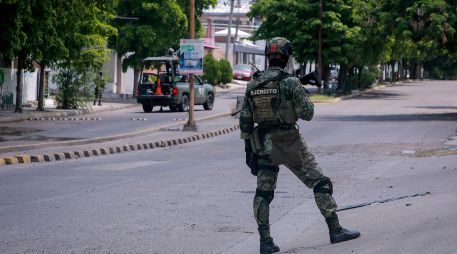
385, 95
167, 111
394, 117
436, 107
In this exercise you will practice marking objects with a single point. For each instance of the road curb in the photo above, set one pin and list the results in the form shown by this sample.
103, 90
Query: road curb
26, 159
10, 161
64, 118
350, 96
44, 115
76, 112
102, 139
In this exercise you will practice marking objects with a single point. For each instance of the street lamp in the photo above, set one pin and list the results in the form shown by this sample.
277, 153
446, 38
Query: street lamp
229, 30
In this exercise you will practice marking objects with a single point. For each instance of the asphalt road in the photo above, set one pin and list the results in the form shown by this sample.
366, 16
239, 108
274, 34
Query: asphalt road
110, 123
197, 198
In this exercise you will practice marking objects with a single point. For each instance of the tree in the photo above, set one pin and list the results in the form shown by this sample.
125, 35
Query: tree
15, 40
54, 31
420, 30
360, 35
287, 19
434, 25
156, 27
225, 71
211, 70
46, 43
200, 5
86, 33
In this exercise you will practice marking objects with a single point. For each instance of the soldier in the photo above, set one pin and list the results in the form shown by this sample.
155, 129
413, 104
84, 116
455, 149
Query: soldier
99, 87
273, 103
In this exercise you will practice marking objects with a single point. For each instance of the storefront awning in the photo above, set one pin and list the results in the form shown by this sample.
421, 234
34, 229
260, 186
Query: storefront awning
249, 48
241, 34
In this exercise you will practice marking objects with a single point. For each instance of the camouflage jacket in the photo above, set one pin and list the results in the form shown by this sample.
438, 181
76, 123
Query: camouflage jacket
291, 89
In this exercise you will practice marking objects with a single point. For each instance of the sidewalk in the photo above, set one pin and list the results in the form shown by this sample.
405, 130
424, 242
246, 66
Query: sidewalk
28, 112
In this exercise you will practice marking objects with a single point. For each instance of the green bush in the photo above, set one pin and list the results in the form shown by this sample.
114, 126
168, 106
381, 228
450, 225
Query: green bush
211, 70
226, 71
367, 79
74, 88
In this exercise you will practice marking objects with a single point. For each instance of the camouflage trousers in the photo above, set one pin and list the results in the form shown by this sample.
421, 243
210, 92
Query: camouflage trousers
309, 173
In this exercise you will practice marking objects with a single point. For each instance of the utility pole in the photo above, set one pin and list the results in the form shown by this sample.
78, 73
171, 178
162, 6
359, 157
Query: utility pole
190, 125
229, 30
235, 56
319, 53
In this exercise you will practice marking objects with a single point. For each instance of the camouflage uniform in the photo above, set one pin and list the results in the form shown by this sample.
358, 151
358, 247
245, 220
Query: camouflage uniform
273, 103
309, 172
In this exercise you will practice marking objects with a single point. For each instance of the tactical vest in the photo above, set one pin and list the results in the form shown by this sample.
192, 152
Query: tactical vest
268, 109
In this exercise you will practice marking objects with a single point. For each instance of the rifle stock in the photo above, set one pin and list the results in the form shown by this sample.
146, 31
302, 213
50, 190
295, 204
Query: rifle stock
311, 79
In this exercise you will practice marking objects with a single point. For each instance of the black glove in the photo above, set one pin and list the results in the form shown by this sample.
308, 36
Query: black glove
251, 161
306, 91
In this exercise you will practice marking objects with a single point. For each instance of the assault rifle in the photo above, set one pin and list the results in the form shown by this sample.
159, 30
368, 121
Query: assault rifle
308, 79
258, 72
311, 79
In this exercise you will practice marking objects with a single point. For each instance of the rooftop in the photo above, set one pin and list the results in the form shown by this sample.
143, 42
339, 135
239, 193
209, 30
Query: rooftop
223, 7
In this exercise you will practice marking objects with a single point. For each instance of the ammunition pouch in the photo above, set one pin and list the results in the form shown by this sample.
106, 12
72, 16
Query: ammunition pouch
256, 141
287, 147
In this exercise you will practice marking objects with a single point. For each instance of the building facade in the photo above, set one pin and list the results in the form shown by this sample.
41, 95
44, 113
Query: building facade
241, 48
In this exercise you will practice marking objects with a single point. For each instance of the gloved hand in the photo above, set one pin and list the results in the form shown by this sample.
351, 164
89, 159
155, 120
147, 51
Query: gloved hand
306, 91
251, 161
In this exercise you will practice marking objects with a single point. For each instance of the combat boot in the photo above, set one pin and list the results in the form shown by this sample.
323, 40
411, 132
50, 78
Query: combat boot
267, 246
338, 233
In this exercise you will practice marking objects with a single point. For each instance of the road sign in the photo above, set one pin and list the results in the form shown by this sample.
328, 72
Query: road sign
2, 77
191, 56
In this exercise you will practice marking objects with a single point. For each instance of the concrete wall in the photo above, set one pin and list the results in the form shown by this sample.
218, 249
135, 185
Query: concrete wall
110, 70
29, 85
119, 82
127, 82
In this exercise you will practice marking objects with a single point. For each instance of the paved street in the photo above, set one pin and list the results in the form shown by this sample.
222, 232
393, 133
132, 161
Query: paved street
197, 197
104, 124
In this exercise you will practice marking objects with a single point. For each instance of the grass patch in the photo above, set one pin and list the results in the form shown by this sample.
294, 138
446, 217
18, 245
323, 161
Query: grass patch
322, 97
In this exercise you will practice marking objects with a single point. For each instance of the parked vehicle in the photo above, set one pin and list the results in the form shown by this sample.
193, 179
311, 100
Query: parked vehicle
161, 85
243, 72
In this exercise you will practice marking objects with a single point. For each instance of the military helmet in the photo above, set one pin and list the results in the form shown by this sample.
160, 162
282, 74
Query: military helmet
278, 46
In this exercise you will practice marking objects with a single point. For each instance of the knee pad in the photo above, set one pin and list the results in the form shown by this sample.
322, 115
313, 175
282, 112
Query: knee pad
267, 195
324, 186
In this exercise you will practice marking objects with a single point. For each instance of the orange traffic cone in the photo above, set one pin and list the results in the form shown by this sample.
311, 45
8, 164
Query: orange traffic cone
159, 87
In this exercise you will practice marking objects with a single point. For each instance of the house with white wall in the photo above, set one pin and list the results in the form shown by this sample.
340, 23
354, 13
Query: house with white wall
241, 47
